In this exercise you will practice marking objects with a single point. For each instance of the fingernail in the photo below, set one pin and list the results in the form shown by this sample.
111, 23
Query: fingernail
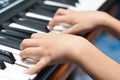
26, 71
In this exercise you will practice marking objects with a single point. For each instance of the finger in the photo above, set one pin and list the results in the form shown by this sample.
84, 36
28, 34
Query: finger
38, 67
38, 35
72, 30
60, 11
31, 52
58, 19
29, 43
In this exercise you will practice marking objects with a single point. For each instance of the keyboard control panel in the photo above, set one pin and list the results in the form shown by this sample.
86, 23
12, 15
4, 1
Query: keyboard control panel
7, 4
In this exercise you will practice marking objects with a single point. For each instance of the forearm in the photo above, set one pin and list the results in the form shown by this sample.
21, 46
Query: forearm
96, 64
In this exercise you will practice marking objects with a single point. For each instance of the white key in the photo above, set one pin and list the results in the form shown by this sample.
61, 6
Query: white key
18, 68
90, 5
38, 16
6, 48
12, 69
14, 72
53, 3
59, 28
24, 27
16, 54
26, 63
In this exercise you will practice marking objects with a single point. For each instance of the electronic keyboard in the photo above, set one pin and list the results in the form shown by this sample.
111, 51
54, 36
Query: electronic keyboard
19, 19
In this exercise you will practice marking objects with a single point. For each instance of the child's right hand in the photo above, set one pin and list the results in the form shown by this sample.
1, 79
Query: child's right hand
81, 21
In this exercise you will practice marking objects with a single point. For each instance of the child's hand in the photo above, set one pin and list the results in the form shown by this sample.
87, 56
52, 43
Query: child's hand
50, 48
81, 21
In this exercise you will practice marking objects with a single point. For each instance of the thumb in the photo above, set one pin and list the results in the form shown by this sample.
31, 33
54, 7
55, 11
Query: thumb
38, 67
73, 30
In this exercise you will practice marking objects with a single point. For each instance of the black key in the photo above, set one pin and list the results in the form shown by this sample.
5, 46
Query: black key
47, 7
68, 2
7, 57
2, 65
23, 35
43, 11
10, 43
31, 20
50, 7
11, 36
42, 21
37, 26
18, 32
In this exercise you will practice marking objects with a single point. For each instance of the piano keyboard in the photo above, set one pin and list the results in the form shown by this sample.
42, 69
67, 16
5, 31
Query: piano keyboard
33, 19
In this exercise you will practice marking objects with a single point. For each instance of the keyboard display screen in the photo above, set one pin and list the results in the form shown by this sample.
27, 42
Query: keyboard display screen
7, 4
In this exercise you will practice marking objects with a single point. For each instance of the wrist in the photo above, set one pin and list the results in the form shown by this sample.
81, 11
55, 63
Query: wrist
102, 19
106, 21
79, 48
